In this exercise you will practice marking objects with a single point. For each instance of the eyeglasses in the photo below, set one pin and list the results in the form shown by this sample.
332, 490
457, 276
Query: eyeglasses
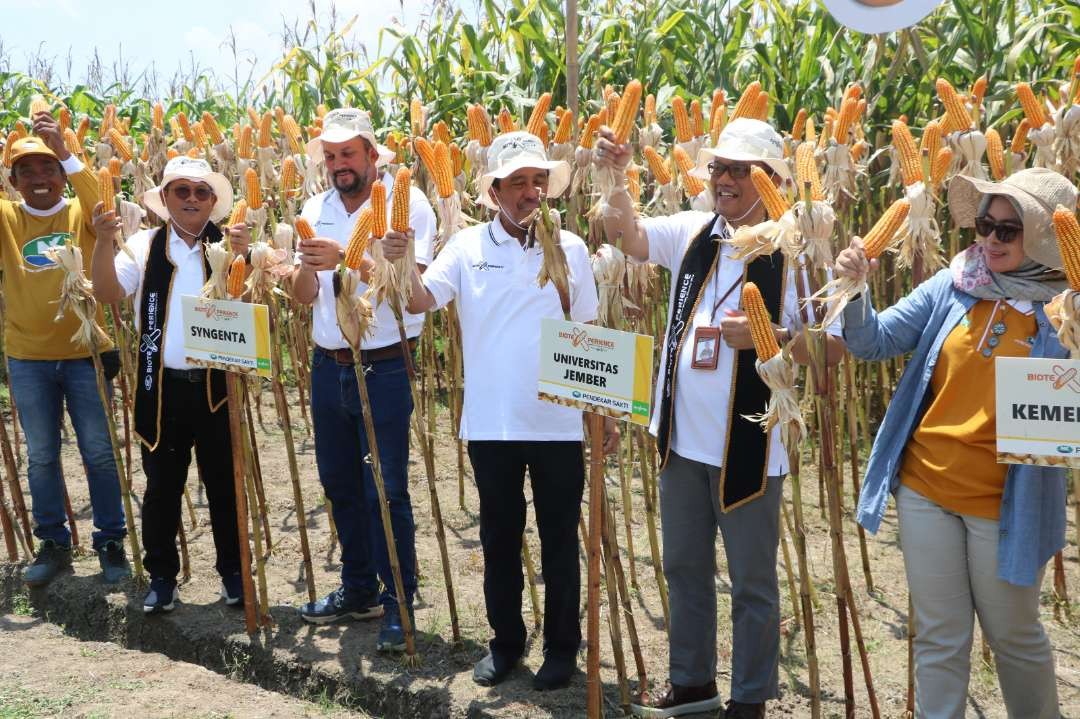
183, 192
1005, 232
737, 172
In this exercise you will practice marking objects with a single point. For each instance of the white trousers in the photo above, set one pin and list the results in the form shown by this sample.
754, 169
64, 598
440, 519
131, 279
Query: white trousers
951, 565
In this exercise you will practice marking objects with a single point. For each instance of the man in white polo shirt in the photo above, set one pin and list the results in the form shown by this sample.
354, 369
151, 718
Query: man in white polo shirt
353, 158
719, 470
491, 271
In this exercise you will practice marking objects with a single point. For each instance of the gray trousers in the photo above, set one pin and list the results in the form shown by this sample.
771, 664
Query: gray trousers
690, 512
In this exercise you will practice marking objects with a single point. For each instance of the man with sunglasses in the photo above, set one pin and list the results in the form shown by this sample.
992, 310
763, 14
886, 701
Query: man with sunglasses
47, 368
177, 405
702, 399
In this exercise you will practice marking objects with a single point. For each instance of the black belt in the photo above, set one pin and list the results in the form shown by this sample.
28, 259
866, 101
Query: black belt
345, 356
195, 376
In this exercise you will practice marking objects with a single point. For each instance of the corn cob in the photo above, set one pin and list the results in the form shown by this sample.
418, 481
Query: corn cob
716, 125
565, 128
321, 110
978, 91
252, 189
683, 132
911, 169
441, 131
295, 137
544, 134
484, 125
38, 104
718, 99
1076, 81
288, 177
842, 129
64, 118
884, 230
416, 117
174, 128
426, 152
539, 114
853, 90
761, 329
171, 154
279, 116
627, 112
1033, 109
235, 284
588, 135
243, 147
697, 119
304, 230
799, 126
860, 109
108, 117
506, 121
1019, 138
633, 182
115, 166
199, 134
995, 154
811, 133
443, 170
314, 131
775, 203
378, 209
84, 127
145, 154
185, 126
930, 142
358, 240
859, 149
761, 107
1067, 230
71, 142
239, 213
457, 159
611, 105
657, 166
123, 149
265, 137
650, 110
940, 165
747, 103
399, 209
107, 190
473, 123
212, 129
956, 114
694, 186
157, 117
826, 131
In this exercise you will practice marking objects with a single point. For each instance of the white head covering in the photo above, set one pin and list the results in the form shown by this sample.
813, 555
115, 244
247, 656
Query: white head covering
196, 170
512, 151
342, 125
878, 16
745, 140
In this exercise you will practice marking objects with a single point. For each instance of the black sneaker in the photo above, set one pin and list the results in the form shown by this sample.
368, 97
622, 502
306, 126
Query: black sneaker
232, 590
162, 596
52, 558
555, 672
392, 633
340, 604
114, 563
493, 669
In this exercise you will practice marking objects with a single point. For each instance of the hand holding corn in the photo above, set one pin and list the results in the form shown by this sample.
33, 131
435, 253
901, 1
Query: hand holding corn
853, 263
608, 153
395, 245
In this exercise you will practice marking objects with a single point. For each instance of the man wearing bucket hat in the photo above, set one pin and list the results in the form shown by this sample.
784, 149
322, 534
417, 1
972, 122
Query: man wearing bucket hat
702, 400
177, 405
490, 270
975, 534
47, 368
354, 160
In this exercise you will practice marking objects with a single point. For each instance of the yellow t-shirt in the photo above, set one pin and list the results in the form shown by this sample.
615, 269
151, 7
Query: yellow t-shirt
951, 457
32, 281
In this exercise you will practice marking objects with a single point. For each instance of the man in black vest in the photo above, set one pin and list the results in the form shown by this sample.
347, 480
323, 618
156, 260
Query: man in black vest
176, 405
707, 384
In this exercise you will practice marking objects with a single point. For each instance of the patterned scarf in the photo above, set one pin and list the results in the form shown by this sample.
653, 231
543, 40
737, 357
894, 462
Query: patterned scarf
1030, 281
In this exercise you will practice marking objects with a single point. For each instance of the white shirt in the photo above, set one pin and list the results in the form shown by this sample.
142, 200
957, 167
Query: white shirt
493, 279
330, 219
702, 396
188, 279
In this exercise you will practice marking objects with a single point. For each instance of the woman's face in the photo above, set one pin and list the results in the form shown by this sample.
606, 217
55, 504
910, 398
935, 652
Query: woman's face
1002, 256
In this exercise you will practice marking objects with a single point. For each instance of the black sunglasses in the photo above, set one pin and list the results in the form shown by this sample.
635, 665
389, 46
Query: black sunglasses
202, 193
737, 172
1005, 232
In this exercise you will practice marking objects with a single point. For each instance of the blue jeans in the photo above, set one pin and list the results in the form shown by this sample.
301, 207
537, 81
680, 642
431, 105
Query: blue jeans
340, 447
40, 388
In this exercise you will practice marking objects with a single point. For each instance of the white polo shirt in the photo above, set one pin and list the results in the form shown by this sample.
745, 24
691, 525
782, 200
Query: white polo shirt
188, 279
330, 219
701, 395
493, 279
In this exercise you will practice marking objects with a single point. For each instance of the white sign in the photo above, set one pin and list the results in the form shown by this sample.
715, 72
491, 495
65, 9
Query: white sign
596, 369
226, 334
1038, 411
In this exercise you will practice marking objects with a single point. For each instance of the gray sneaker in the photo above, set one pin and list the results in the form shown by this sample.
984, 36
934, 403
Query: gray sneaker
114, 563
52, 559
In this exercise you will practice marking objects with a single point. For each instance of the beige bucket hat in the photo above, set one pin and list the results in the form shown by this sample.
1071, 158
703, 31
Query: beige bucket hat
513, 151
342, 125
745, 140
1036, 192
196, 170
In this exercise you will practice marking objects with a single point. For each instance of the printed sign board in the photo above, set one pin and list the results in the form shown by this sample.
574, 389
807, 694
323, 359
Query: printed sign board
1038, 411
225, 334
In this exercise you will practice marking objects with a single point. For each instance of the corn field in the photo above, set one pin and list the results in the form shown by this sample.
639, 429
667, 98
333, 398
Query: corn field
871, 124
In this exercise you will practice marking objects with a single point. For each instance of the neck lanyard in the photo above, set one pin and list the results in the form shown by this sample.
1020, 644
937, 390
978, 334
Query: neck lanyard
718, 299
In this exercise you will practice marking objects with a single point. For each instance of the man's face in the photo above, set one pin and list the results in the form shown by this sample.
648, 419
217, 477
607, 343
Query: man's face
189, 203
40, 180
735, 193
350, 165
519, 193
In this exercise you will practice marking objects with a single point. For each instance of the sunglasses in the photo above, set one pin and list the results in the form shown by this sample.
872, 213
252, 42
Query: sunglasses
737, 172
1004, 232
183, 192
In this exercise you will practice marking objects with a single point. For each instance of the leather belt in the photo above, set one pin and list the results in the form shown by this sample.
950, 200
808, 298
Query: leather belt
195, 376
345, 356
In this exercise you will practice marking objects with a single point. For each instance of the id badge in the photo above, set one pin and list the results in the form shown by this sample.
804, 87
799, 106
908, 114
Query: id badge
706, 348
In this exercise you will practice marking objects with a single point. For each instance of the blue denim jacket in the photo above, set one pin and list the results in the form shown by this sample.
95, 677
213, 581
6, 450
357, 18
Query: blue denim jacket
1032, 521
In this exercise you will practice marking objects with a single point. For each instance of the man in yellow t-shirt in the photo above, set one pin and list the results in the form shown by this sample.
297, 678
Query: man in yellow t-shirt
47, 368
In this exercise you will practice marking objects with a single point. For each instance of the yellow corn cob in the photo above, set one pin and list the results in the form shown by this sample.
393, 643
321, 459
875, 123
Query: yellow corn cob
718, 99
157, 117
266, 138
761, 329
930, 142
212, 129
683, 132
19, 130
65, 118
761, 107
321, 110
911, 169
650, 109
694, 186
199, 133
799, 126
848, 110
831, 113
860, 109
604, 117
565, 129
539, 114
956, 113
775, 203
304, 230
697, 119
358, 240
314, 131
288, 177
853, 90
239, 213
995, 154
185, 126
243, 147
234, 287
193, 153
426, 152
588, 135
747, 104
627, 112
472, 123
1076, 81
171, 153
884, 230
71, 142
252, 189
108, 117
940, 165
611, 105
145, 154
978, 91
484, 125
506, 121
107, 190
441, 131
444, 170
279, 115
115, 166
123, 149
657, 166
84, 127
295, 137
826, 131
1019, 138
38, 104
253, 116
633, 182
859, 149
174, 128
378, 209
1067, 230
1033, 109
716, 125
399, 209
457, 159
416, 117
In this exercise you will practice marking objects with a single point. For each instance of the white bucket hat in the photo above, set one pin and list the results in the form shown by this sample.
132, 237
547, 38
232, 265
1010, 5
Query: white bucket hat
513, 151
745, 140
342, 125
878, 16
196, 170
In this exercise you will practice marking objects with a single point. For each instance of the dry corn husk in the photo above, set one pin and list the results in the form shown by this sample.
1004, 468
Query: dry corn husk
1066, 147
839, 179
1063, 312
545, 225
218, 257
969, 148
609, 271
923, 236
354, 311
815, 228
779, 374
267, 266
77, 295
765, 238
390, 280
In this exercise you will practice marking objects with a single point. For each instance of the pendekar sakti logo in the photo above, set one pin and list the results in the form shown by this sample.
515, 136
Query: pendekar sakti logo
33, 252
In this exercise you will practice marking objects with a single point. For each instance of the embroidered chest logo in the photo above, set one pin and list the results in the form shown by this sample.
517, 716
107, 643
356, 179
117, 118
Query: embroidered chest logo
33, 252
485, 266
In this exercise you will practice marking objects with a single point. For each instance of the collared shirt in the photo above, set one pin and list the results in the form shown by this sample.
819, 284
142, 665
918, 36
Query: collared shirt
330, 219
188, 279
500, 305
701, 395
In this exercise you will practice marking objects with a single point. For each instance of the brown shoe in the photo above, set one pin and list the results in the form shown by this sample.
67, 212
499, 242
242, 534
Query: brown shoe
738, 710
677, 701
